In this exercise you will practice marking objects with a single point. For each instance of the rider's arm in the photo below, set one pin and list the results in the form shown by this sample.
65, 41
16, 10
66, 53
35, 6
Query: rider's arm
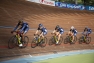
54, 31
16, 27
37, 31
83, 31
23, 27
41, 34
69, 32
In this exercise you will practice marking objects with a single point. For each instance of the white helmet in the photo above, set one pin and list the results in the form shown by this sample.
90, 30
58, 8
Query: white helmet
72, 27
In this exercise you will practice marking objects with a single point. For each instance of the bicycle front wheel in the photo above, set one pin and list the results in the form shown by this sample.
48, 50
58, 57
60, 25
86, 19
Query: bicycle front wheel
81, 40
34, 43
12, 42
75, 39
60, 41
44, 42
66, 40
51, 41
25, 42
88, 40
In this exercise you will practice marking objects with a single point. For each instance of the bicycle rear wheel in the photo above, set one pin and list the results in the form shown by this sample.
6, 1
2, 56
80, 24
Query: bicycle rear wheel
12, 42
75, 39
81, 40
60, 41
51, 41
66, 40
34, 43
44, 42
25, 42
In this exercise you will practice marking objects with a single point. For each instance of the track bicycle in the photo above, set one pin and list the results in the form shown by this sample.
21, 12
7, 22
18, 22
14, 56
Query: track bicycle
16, 39
38, 41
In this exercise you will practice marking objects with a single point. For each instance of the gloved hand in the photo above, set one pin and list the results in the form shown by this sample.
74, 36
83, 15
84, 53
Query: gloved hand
12, 31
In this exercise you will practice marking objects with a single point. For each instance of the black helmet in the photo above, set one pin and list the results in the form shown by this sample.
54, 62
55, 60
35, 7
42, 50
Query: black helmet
20, 21
86, 27
40, 25
57, 26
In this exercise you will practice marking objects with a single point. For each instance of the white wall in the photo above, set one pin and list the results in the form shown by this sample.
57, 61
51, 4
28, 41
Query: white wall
45, 2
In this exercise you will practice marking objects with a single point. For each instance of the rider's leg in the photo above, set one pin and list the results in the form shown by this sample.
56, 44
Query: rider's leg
43, 35
24, 33
59, 37
57, 40
19, 39
72, 37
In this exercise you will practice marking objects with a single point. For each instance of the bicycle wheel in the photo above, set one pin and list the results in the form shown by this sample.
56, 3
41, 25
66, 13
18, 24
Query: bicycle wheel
60, 41
81, 40
66, 40
75, 39
12, 42
51, 41
34, 43
25, 42
43, 42
88, 40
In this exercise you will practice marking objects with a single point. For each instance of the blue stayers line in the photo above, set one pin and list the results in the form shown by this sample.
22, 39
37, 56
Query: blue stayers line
45, 57
6, 27
32, 29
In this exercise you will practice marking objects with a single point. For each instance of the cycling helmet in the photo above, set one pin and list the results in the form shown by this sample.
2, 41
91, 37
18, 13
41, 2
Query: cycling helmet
72, 27
57, 26
20, 21
86, 27
40, 25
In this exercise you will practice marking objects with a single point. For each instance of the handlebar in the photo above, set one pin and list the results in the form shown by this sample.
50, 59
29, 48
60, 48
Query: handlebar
17, 32
36, 34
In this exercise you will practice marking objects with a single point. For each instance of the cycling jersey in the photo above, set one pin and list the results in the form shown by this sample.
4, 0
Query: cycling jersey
24, 27
60, 30
43, 29
88, 30
74, 31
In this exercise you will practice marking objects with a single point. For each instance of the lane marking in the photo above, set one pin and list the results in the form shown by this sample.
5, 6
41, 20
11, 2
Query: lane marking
48, 56
36, 29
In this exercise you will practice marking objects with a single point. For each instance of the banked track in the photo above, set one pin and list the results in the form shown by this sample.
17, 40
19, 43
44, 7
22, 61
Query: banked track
13, 10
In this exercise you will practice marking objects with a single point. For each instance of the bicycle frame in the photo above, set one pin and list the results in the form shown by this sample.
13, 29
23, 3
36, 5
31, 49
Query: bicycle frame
70, 38
55, 38
38, 39
18, 37
84, 37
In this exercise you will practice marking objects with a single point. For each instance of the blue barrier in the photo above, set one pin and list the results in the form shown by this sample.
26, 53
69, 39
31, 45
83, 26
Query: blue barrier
74, 6
90, 8
71, 6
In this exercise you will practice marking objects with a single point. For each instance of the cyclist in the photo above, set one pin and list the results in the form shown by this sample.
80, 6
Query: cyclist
87, 31
72, 33
43, 31
23, 28
58, 32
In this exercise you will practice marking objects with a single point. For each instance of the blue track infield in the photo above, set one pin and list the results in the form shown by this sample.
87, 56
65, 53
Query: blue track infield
32, 59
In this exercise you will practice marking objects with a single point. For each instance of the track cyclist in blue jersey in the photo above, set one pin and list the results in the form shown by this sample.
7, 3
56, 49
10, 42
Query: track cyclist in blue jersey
58, 31
87, 31
23, 28
43, 31
72, 33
